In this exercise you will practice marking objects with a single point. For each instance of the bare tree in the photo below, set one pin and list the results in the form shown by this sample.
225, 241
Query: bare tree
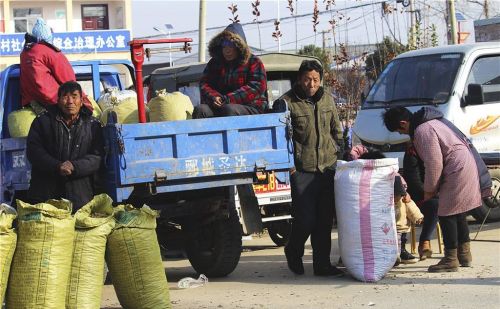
234, 8
256, 13
485, 4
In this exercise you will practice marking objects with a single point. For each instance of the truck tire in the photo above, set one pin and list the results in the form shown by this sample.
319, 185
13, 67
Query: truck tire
214, 249
279, 232
480, 213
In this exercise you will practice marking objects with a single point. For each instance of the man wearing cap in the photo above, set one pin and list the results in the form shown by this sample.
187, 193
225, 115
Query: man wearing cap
234, 80
317, 141
43, 69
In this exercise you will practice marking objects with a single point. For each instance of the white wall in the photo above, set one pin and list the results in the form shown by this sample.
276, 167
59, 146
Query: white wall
50, 8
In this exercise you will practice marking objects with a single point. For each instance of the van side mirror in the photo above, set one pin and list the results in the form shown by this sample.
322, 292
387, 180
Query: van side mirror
475, 95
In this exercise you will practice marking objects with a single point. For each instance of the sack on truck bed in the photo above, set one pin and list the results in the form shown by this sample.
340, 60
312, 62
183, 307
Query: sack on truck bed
42, 260
8, 238
123, 103
126, 112
364, 204
93, 223
170, 106
97, 109
19, 122
134, 259
114, 97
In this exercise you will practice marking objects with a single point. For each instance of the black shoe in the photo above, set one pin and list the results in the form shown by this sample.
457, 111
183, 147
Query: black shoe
398, 261
328, 271
407, 257
294, 262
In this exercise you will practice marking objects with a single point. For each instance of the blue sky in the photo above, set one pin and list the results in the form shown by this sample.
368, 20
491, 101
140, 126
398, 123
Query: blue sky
361, 25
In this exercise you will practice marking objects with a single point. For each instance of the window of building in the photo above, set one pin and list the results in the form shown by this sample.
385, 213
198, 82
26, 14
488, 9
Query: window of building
95, 17
25, 18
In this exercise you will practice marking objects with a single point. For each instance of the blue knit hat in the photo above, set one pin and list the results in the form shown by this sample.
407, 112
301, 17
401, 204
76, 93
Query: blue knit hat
42, 31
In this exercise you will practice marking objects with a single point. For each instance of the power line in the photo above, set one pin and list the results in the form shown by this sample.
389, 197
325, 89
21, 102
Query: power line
270, 20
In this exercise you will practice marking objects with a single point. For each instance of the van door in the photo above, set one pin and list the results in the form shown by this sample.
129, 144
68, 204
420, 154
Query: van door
482, 116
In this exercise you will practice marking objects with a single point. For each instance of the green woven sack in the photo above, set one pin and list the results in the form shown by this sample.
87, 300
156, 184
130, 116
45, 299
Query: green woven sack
42, 261
126, 112
97, 109
8, 238
93, 223
170, 106
19, 122
134, 260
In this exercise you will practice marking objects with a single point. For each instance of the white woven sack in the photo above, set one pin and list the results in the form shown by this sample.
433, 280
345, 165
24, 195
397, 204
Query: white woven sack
364, 201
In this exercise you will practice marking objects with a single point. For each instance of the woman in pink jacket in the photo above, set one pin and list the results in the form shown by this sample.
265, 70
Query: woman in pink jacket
450, 173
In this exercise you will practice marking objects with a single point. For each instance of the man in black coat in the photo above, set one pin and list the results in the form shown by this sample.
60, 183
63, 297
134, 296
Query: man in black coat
65, 148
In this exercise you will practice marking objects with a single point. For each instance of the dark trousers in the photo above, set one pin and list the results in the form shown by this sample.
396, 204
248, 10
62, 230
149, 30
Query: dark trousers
429, 210
312, 210
455, 230
404, 239
205, 111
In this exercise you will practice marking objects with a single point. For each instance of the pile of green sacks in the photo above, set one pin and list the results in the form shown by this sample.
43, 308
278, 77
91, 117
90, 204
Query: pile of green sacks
58, 259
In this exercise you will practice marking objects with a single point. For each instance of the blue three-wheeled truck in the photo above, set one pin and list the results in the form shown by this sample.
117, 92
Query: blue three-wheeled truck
184, 168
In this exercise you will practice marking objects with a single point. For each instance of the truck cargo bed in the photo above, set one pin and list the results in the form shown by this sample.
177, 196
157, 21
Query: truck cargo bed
195, 154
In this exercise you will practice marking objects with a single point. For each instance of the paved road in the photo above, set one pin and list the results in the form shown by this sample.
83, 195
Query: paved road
262, 280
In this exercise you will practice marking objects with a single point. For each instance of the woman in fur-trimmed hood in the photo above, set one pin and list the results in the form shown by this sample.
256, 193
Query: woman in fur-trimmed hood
234, 80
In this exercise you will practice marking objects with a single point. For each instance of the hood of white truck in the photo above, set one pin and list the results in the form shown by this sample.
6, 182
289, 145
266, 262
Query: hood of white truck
370, 128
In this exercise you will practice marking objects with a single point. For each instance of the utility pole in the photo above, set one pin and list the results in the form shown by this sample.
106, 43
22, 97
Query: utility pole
453, 21
323, 35
413, 33
202, 31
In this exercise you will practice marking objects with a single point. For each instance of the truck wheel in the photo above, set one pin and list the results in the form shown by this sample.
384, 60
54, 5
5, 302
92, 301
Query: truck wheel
493, 203
214, 249
279, 231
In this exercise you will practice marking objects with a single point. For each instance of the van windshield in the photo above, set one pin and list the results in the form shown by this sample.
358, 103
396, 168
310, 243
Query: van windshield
415, 80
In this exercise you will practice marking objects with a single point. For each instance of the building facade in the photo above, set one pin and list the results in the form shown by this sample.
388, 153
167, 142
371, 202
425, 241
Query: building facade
82, 29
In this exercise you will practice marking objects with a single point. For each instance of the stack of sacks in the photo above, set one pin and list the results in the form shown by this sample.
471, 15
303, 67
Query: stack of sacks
94, 222
134, 259
8, 238
170, 106
42, 261
19, 122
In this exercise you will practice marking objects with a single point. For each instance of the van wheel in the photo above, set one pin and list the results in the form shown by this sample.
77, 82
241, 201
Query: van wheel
214, 248
491, 203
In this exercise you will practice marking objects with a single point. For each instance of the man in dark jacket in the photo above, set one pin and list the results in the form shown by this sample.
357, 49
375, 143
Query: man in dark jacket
317, 137
414, 172
65, 148
234, 81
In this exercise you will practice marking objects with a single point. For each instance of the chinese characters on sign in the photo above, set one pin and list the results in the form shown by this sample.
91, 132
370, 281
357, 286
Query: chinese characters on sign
72, 42
208, 166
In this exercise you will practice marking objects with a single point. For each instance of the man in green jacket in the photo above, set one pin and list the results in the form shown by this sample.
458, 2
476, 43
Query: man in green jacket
317, 140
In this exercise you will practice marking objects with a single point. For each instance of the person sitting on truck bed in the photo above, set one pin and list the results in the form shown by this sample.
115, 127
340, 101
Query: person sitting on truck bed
43, 69
65, 148
317, 140
234, 81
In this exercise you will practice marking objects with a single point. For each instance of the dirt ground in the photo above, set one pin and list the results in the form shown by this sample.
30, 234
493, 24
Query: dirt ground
262, 280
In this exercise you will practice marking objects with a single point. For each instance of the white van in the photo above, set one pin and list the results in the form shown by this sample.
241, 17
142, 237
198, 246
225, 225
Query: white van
462, 81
